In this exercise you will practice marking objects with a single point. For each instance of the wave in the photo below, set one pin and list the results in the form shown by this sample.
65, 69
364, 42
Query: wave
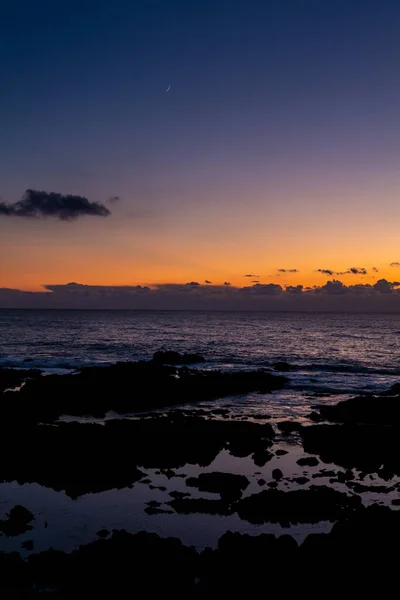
50, 364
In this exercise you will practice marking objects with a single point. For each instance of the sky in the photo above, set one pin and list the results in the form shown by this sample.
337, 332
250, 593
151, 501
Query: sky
159, 143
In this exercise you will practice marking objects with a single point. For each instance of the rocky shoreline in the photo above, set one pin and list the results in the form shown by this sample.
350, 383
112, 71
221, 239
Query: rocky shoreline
348, 451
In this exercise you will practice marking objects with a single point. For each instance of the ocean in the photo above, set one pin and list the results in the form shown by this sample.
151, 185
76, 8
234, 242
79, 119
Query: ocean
329, 352
332, 357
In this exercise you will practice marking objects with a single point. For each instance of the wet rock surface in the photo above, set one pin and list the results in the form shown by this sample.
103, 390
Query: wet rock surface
127, 562
93, 458
127, 387
318, 503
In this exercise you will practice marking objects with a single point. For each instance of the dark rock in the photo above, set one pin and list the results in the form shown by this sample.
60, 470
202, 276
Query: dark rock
272, 484
93, 458
261, 457
175, 358
261, 482
301, 480
308, 461
300, 506
288, 427
154, 510
396, 502
11, 378
277, 474
282, 366
176, 494
281, 452
153, 503
261, 416
228, 485
360, 446
127, 387
103, 533
364, 410
17, 522
324, 473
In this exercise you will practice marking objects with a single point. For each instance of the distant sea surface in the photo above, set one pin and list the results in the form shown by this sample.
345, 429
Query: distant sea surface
330, 352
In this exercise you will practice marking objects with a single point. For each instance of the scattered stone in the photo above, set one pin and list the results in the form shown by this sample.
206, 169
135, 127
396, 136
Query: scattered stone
176, 494
277, 474
308, 461
17, 521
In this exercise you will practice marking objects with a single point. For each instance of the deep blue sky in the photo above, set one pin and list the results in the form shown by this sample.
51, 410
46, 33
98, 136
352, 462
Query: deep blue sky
283, 112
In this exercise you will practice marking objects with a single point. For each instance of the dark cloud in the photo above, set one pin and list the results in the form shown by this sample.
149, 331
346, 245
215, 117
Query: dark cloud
207, 281
251, 275
326, 271
263, 288
255, 281
375, 270
114, 199
334, 287
383, 286
394, 264
227, 283
358, 271
383, 296
288, 271
37, 204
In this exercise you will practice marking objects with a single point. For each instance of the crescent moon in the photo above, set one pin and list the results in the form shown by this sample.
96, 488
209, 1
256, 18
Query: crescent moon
168, 88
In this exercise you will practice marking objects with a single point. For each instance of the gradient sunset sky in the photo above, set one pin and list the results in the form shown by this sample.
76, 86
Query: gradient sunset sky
277, 146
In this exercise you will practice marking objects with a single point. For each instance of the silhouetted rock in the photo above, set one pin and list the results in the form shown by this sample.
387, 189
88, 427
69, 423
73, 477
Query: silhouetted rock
301, 480
282, 366
228, 485
127, 387
281, 452
277, 474
176, 494
93, 458
103, 533
365, 447
17, 521
261, 482
169, 357
308, 461
364, 410
261, 457
288, 427
10, 378
154, 510
317, 503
